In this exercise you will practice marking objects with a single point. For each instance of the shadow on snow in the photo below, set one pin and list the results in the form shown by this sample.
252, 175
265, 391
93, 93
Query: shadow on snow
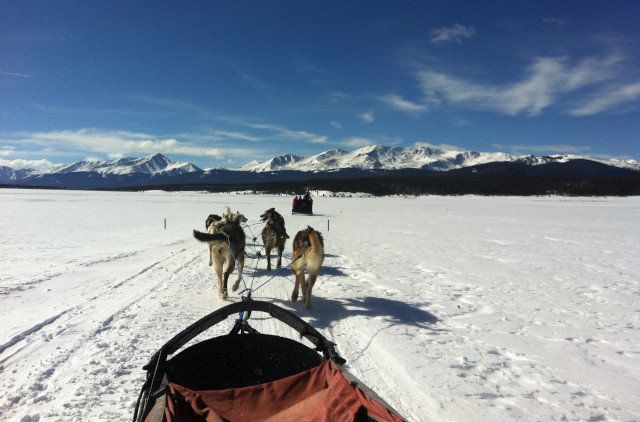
326, 312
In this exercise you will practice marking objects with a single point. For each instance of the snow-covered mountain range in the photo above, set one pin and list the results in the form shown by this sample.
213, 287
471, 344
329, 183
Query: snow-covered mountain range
156, 164
378, 157
158, 169
90, 174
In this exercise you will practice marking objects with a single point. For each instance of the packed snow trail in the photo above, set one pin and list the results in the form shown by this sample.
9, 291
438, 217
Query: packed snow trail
462, 308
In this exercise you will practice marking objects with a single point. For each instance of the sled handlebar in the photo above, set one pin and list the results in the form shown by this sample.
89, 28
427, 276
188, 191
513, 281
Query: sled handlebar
303, 328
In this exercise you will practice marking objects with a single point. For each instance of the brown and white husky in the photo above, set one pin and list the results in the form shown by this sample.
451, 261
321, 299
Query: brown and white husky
226, 240
308, 253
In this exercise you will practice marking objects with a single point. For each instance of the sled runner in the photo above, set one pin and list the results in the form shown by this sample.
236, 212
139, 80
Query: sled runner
248, 376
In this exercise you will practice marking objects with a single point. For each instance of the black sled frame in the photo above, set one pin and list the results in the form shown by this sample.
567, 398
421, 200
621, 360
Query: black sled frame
271, 357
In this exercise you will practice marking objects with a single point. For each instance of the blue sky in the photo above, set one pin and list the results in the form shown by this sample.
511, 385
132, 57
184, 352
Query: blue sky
221, 83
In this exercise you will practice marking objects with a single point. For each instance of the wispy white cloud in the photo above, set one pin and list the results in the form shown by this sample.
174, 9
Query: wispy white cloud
20, 164
608, 99
236, 135
457, 33
337, 96
443, 147
7, 151
260, 132
285, 134
98, 111
95, 140
357, 142
367, 117
546, 80
398, 103
230, 143
20, 75
112, 144
215, 135
591, 70
6, 159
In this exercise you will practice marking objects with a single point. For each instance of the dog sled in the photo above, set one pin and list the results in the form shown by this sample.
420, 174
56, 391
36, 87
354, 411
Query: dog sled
248, 376
302, 204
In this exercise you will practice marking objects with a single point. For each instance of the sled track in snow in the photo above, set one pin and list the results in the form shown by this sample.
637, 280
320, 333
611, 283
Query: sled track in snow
108, 337
28, 332
106, 328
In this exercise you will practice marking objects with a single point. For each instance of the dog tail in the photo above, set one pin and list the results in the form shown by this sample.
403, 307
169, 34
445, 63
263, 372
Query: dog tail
208, 237
227, 212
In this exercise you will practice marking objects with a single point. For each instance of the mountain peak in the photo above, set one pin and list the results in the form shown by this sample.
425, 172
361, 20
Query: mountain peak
159, 158
280, 162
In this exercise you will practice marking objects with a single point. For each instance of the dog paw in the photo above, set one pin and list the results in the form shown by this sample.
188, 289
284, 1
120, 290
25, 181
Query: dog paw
235, 286
223, 294
294, 296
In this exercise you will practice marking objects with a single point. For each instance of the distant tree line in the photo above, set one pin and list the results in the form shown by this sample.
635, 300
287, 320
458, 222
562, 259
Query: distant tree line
628, 185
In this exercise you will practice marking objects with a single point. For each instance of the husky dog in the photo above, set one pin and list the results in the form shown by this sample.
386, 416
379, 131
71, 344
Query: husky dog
274, 235
211, 219
227, 216
215, 218
238, 218
308, 253
226, 241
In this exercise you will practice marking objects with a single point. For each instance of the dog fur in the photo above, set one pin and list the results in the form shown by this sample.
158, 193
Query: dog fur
226, 240
308, 253
238, 218
274, 235
227, 217
211, 219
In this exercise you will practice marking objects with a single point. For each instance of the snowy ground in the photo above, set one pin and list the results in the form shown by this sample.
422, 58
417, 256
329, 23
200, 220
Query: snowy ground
451, 308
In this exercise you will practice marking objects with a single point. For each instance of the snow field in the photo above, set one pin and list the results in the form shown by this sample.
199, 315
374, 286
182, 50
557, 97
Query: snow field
450, 308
